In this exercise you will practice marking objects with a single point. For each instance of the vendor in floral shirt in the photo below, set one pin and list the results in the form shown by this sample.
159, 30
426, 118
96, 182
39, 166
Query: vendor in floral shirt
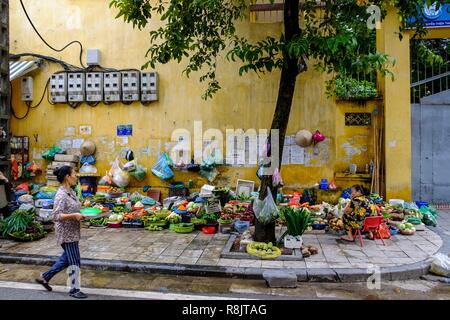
356, 211
67, 216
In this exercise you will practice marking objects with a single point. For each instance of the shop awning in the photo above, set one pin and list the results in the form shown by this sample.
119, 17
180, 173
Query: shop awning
21, 68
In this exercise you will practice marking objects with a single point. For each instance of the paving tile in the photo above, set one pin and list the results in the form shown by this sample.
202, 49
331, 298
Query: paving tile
294, 264
317, 264
247, 263
228, 262
340, 265
181, 260
172, 252
191, 253
166, 259
207, 262
272, 264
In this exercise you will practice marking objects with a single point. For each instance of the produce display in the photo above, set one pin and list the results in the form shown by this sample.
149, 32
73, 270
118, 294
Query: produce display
263, 250
407, 228
183, 227
99, 222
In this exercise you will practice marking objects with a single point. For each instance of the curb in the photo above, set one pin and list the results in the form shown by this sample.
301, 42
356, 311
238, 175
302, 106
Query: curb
405, 272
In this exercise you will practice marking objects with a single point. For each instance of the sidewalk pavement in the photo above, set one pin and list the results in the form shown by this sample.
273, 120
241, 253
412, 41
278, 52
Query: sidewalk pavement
403, 257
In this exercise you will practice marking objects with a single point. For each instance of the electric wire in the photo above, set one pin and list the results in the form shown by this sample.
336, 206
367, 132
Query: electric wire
48, 45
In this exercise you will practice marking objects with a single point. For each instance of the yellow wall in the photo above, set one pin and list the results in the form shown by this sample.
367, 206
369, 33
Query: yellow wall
244, 102
397, 110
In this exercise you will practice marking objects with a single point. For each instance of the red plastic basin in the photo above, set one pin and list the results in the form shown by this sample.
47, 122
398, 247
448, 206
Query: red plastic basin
209, 230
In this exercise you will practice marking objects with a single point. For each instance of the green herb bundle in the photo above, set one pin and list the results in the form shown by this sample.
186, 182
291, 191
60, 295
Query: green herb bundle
18, 221
296, 220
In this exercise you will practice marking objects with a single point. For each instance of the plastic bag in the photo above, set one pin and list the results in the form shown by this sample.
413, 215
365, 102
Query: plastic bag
115, 168
23, 186
161, 169
139, 173
45, 195
50, 153
88, 168
105, 180
441, 265
130, 166
429, 219
87, 159
26, 198
121, 179
277, 181
210, 175
266, 210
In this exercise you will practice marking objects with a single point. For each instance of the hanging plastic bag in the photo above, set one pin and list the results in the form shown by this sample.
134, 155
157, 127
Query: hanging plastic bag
266, 210
130, 166
106, 180
50, 153
277, 181
441, 265
87, 159
210, 175
161, 169
121, 179
139, 173
115, 168
88, 168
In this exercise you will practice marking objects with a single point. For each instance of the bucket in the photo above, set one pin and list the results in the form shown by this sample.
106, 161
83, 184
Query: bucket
421, 203
88, 185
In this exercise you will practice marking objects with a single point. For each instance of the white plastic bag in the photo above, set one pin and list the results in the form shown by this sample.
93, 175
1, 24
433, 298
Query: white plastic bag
115, 168
88, 168
121, 179
441, 265
266, 210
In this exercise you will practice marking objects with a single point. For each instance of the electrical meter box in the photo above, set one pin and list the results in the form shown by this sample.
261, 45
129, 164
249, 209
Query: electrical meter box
27, 89
149, 86
58, 88
76, 86
94, 87
130, 85
112, 86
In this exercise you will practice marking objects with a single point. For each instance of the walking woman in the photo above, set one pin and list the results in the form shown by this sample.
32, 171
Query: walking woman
67, 216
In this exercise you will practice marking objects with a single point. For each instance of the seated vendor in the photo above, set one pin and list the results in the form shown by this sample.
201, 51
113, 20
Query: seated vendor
356, 211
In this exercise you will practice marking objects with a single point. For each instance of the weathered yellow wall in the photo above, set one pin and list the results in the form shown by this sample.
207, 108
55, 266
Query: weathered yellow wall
244, 102
397, 110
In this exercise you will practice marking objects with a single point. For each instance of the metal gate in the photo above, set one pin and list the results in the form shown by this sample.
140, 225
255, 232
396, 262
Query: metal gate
430, 109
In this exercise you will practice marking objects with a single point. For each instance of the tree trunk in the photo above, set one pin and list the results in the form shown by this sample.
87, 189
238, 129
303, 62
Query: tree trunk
266, 233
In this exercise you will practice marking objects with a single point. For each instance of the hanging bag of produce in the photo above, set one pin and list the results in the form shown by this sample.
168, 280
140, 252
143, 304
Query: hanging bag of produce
265, 210
161, 169
140, 172
119, 177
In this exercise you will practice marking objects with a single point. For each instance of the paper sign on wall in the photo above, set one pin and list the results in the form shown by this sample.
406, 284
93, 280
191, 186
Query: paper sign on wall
125, 130
297, 154
77, 143
86, 130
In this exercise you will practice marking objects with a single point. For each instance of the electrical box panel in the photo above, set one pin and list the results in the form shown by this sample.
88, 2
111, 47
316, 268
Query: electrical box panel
93, 57
149, 86
130, 85
27, 89
112, 86
76, 86
94, 87
58, 88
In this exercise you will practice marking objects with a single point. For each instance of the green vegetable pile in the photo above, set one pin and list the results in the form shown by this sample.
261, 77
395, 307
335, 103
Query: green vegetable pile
153, 228
263, 250
297, 220
18, 221
99, 221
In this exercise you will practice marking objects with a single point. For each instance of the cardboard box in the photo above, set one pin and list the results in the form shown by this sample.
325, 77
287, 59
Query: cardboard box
67, 158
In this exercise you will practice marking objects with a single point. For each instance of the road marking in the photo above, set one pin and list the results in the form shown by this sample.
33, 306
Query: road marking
119, 293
